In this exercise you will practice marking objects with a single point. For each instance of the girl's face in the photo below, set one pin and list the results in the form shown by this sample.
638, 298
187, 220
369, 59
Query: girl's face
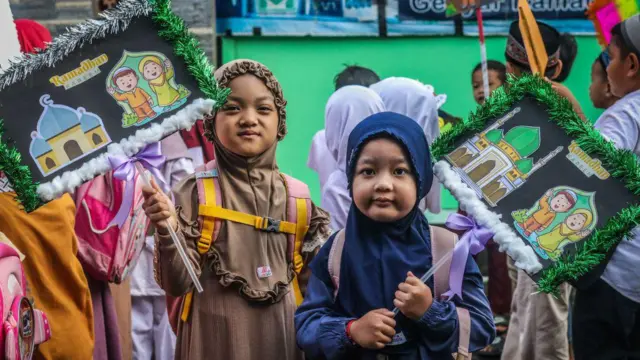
384, 188
576, 222
247, 124
151, 70
478, 84
599, 88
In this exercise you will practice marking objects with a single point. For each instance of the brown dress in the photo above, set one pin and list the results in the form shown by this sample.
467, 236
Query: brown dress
239, 316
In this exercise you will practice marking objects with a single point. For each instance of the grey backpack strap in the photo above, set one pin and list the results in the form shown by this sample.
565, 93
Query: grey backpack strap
443, 241
335, 257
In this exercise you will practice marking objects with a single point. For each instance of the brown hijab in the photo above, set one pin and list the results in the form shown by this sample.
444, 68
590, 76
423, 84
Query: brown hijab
253, 186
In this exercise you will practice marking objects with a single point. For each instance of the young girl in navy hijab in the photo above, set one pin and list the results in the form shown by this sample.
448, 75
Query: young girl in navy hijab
387, 241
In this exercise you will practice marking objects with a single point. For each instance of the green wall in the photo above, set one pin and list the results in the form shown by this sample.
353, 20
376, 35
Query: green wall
306, 67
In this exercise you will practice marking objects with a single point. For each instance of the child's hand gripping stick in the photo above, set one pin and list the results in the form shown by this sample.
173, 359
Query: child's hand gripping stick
174, 237
431, 272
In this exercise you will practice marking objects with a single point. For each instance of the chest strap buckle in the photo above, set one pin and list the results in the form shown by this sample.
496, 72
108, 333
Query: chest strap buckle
270, 225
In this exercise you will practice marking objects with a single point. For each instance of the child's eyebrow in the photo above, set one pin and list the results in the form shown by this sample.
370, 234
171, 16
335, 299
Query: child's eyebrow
398, 160
265, 98
235, 98
371, 160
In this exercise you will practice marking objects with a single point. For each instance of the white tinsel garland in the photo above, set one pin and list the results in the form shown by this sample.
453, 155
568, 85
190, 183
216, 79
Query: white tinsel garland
113, 21
69, 181
508, 241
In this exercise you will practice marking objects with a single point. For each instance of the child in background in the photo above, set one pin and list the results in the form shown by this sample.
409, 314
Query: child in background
497, 77
387, 240
417, 101
355, 75
606, 317
46, 237
319, 159
600, 89
248, 272
568, 54
345, 109
152, 335
538, 316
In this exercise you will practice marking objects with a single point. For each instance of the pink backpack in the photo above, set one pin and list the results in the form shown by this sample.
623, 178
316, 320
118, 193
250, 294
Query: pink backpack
23, 326
442, 242
107, 252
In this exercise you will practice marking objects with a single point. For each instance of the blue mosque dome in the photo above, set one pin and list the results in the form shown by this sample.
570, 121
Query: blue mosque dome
38, 146
55, 119
88, 121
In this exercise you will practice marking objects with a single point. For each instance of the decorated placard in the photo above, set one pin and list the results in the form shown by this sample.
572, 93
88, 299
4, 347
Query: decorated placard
555, 195
605, 14
106, 88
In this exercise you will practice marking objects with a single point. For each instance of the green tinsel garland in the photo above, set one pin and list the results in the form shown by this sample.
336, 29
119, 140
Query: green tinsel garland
172, 29
185, 45
19, 175
621, 164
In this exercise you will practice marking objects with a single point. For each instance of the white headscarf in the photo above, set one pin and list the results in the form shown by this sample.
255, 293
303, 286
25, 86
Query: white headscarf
415, 100
9, 45
320, 159
346, 108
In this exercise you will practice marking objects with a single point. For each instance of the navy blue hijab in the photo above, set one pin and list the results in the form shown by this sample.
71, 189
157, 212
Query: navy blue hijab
377, 256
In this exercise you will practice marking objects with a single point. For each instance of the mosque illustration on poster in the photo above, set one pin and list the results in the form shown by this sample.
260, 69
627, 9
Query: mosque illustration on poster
65, 135
495, 164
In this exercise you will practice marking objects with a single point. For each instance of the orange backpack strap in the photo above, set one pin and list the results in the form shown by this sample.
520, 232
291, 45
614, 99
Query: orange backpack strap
443, 241
209, 195
208, 187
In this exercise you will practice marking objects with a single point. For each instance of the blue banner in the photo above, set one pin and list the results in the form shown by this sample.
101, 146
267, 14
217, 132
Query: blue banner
404, 17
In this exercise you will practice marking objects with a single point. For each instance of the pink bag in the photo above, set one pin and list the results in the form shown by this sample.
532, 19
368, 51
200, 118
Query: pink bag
108, 252
23, 326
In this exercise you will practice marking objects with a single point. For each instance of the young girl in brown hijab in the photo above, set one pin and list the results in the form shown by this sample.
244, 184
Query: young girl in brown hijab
247, 307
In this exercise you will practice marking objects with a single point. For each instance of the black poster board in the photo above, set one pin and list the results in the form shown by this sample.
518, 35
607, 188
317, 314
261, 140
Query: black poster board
105, 88
63, 116
563, 191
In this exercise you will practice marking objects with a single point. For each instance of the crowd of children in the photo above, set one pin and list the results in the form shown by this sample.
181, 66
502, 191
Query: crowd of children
286, 279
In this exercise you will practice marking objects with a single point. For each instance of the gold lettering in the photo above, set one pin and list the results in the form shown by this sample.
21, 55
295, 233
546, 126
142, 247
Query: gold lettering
55, 81
85, 66
594, 164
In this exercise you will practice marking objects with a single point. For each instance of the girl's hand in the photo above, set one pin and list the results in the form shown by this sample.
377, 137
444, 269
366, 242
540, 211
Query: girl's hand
159, 208
374, 330
413, 297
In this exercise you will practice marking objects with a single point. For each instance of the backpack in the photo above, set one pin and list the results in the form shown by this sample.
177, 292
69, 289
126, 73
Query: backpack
23, 327
442, 242
211, 214
109, 253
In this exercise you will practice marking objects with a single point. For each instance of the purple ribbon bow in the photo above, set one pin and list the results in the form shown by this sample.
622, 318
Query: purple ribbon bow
124, 169
472, 241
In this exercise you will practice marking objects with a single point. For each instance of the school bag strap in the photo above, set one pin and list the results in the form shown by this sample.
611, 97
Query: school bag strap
335, 256
211, 213
442, 241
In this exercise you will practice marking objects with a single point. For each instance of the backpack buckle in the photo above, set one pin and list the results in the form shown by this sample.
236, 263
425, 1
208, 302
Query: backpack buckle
271, 225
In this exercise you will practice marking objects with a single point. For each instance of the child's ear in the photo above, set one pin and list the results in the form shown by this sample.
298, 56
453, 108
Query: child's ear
634, 65
558, 70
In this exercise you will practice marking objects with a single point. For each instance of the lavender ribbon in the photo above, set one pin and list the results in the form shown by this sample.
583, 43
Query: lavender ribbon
124, 169
473, 241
